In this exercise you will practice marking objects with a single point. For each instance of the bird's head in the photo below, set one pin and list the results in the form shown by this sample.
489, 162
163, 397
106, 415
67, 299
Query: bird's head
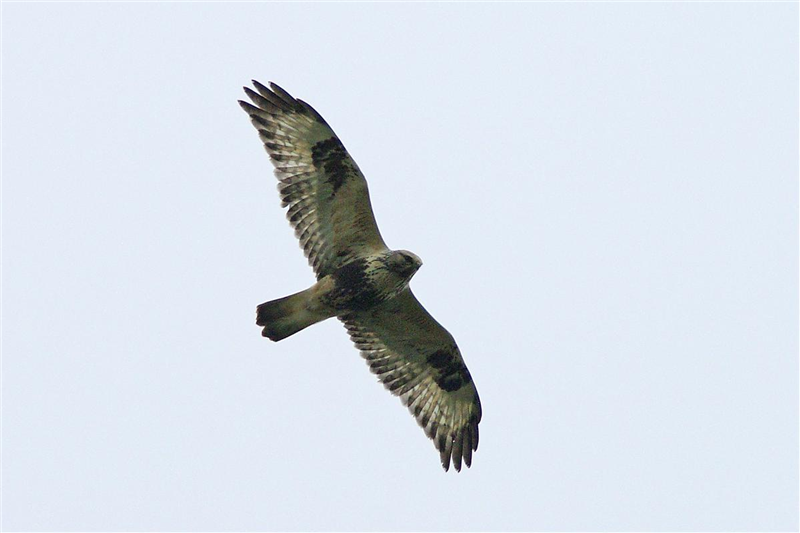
404, 263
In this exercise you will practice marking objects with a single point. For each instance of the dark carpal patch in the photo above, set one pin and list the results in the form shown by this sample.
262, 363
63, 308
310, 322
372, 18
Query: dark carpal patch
331, 156
353, 289
452, 374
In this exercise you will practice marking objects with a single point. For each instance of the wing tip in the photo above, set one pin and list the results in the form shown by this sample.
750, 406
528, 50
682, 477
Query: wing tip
268, 100
259, 86
456, 447
248, 108
445, 458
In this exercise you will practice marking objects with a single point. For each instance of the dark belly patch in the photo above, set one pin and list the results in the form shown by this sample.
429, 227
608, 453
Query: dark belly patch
353, 288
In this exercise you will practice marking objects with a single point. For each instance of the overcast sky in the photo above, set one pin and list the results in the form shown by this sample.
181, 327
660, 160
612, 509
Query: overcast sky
605, 197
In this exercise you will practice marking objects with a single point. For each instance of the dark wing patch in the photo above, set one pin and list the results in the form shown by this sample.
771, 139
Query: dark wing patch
452, 373
418, 360
323, 188
331, 157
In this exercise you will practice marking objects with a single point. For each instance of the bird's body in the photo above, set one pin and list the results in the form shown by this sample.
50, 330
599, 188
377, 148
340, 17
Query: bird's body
358, 285
359, 279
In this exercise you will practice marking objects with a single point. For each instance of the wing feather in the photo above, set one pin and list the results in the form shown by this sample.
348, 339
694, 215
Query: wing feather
418, 360
326, 193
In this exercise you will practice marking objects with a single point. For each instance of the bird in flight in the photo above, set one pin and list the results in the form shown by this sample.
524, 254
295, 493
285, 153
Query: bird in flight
360, 280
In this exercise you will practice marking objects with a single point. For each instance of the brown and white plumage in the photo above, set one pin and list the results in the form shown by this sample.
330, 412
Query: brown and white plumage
360, 280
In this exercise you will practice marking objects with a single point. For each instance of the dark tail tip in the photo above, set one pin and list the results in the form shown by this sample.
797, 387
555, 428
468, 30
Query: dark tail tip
265, 313
279, 320
273, 335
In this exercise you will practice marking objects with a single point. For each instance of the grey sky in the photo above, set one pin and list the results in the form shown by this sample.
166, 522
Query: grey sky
605, 197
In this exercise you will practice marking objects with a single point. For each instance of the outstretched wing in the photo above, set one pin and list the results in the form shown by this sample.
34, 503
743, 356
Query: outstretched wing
418, 360
326, 193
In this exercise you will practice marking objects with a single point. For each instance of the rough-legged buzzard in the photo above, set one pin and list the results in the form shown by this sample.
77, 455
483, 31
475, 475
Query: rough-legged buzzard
359, 279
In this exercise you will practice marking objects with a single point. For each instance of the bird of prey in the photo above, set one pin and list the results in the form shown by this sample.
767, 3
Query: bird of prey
360, 280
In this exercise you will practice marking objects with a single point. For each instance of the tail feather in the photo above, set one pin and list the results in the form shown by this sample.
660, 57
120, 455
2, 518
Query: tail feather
286, 316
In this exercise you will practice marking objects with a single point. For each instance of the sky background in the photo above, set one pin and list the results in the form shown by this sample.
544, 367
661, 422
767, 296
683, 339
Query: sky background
605, 197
